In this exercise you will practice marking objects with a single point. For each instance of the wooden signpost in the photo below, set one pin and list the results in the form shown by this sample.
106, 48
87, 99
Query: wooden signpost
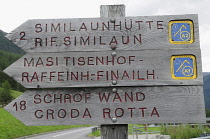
113, 70
100, 34
100, 69
129, 105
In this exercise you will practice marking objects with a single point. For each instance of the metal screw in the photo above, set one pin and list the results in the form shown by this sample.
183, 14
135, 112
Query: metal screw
114, 82
114, 90
114, 54
112, 20
114, 120
113, 47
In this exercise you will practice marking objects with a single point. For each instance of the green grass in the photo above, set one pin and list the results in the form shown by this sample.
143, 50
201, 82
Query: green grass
184, 131
11, 128
95, 134
15, 94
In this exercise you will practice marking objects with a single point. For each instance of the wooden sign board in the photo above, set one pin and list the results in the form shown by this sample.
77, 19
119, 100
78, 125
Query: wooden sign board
96, 34
129, 105
107, 68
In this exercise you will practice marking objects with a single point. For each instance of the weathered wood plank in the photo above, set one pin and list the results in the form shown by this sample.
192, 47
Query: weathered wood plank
129, 105
98, 34
97, 69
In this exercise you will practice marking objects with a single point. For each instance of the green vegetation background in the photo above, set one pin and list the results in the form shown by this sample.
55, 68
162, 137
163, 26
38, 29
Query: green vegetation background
7, 59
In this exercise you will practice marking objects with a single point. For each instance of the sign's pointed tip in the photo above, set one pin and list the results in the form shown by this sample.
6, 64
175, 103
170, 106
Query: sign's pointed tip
9, 36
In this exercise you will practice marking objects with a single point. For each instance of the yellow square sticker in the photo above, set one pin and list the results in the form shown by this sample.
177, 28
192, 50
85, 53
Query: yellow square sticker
183, 67
181, 32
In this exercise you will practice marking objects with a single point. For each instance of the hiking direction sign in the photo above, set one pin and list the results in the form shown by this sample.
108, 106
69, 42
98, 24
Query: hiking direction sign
101, 69
129, 105
100, 34
107, 70
93, 52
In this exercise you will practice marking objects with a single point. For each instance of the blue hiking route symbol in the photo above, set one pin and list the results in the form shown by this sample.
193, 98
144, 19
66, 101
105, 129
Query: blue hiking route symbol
181, 32
183, 67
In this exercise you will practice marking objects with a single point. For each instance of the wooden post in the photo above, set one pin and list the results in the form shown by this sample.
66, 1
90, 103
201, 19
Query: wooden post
115, 131
112, 11
146, 131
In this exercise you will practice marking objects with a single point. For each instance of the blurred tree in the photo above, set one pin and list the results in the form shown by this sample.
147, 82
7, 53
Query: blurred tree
5, 93
207, 112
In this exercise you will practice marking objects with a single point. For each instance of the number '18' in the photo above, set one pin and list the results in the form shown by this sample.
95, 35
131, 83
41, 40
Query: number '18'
21, 106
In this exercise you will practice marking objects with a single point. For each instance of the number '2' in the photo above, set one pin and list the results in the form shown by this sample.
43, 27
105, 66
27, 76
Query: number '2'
22, 34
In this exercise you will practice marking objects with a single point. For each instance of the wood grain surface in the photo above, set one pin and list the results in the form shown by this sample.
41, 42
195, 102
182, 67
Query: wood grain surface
112, 11
98, 34
129, 105
108, 70
99, 69
114, 131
